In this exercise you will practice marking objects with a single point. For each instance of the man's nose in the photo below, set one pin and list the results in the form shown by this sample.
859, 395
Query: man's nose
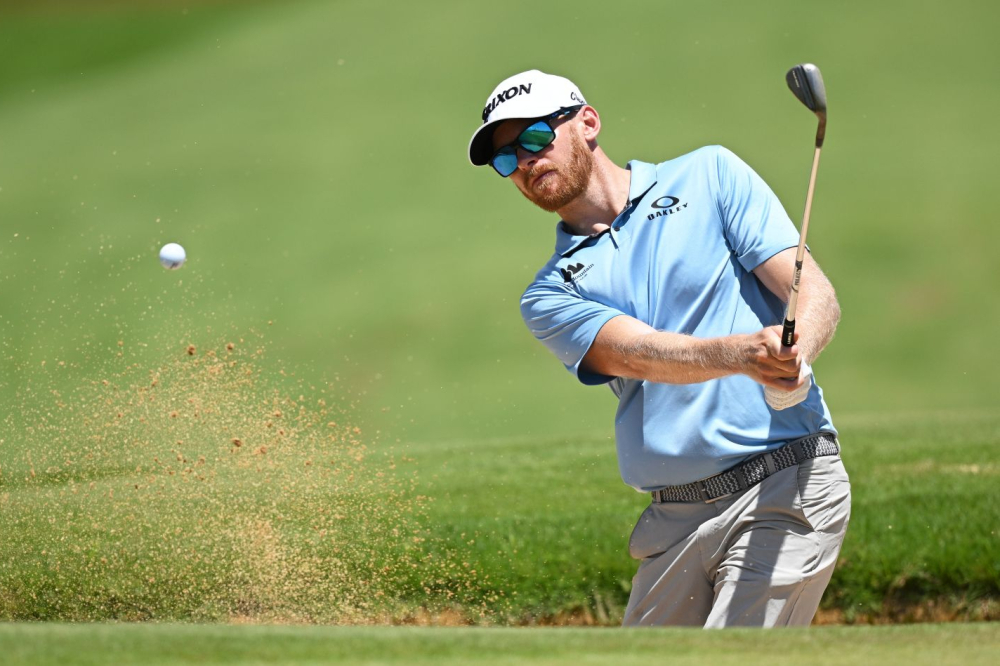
525, 159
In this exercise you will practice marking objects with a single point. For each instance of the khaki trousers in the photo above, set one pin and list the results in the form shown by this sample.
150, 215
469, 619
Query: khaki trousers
759, 558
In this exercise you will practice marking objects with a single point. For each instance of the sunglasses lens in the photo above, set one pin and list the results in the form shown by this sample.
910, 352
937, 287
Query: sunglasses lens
505, 161
533, 139
536, 137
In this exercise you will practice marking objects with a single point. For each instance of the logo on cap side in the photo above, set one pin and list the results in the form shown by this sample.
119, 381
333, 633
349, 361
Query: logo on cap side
502, 97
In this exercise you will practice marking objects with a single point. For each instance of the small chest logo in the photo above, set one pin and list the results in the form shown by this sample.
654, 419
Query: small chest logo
574, 272
666, 205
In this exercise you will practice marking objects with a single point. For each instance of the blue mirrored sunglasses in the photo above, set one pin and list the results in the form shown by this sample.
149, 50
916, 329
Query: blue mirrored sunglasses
533, 139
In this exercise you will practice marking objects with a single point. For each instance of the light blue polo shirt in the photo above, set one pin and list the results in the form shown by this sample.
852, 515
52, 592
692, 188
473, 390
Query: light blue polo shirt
680, 259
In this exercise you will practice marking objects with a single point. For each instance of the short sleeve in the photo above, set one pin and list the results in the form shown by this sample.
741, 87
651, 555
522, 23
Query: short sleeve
566, 323
755, 224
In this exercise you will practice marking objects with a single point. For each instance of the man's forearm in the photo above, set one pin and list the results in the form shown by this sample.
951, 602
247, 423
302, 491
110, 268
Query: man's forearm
671, 358
818, 312
627, 347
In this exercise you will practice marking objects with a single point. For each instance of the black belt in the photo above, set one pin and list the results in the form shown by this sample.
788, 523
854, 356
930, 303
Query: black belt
751, 472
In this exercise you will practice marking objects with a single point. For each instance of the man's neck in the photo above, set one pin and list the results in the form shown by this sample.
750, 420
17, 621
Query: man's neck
605, 197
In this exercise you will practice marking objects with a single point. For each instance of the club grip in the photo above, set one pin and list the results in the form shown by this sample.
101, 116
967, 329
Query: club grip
788, 333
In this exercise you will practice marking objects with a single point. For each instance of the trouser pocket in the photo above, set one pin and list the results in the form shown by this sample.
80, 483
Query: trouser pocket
663, 526
824, 494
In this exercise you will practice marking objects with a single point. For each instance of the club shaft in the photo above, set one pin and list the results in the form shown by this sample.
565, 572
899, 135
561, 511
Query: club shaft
788, 330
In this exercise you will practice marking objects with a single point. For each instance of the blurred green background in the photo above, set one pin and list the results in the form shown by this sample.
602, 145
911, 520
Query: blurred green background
310, 156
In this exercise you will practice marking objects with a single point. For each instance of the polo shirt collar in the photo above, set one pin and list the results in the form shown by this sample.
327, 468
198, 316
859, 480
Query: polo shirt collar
642, 181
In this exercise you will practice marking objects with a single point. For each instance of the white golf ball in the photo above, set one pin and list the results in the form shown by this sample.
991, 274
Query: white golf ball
172, 256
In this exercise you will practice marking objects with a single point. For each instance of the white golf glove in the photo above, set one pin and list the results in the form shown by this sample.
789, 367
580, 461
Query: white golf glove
778, 399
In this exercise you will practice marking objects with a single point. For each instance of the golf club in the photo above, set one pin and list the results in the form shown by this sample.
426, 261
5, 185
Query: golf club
807, 84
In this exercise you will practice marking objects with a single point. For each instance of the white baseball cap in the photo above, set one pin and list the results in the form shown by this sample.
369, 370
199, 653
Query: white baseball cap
530, 94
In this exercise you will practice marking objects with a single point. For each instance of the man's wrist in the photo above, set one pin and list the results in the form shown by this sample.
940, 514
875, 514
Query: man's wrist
726, 355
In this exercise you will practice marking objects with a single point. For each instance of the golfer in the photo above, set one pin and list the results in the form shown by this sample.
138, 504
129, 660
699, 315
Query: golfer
668, 283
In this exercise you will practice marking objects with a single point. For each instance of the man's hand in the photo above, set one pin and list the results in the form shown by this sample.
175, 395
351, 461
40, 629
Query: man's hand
771, 364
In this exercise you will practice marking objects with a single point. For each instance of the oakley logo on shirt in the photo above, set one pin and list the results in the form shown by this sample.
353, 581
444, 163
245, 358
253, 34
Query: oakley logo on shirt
667, 205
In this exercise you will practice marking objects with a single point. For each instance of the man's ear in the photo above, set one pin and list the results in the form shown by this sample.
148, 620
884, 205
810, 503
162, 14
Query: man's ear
590, 121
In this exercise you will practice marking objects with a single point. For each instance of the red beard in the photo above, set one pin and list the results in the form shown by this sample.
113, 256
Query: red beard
569, 182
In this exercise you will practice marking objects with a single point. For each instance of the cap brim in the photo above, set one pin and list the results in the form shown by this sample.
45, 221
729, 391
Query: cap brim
481, 145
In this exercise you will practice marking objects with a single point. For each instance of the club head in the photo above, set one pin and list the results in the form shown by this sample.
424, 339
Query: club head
807, 84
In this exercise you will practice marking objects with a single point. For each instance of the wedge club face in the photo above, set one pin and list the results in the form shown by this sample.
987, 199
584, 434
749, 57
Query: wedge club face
806, 82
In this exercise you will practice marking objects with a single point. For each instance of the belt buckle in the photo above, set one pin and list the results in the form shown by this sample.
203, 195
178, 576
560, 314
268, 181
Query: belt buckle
704, 493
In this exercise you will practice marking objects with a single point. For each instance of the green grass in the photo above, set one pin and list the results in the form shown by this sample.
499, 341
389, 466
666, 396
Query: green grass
925, 522
310, 156
173, 644
55, 45
508, 530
